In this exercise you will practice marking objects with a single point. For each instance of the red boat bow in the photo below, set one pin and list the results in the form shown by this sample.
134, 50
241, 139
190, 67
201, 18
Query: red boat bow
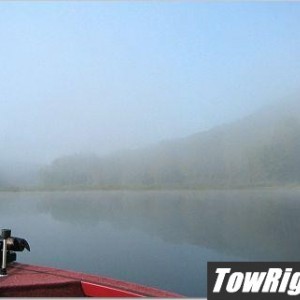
35, 281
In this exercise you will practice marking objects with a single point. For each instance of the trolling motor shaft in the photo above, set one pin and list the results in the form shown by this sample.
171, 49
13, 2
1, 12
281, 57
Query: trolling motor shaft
8, 245
5, 233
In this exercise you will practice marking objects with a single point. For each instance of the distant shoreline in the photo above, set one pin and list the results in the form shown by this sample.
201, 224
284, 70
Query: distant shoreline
142, 188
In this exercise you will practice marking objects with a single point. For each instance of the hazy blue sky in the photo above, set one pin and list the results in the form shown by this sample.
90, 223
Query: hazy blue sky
100, 76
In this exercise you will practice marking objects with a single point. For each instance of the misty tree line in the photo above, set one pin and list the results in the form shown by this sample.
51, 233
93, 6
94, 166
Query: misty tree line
260, 150
225, 157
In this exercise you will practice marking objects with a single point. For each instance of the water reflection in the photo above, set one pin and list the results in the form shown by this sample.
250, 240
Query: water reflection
247, 224
161, 239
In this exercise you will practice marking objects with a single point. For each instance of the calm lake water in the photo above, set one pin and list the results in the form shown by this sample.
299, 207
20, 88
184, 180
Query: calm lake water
157, 238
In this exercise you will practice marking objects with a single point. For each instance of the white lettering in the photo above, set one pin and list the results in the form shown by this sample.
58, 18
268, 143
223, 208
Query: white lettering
285, 280
294, 288
272, 280
235, 282
221, 276
253, 281
275, 280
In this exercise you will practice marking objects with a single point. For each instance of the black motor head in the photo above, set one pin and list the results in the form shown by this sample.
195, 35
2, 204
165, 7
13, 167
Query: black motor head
8, 245
13, 243
17, 244
5, 233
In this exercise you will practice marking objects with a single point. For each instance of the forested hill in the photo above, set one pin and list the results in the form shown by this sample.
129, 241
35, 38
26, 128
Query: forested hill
260, 150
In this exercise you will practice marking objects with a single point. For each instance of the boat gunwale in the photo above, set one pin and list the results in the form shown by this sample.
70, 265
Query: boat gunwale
15, 270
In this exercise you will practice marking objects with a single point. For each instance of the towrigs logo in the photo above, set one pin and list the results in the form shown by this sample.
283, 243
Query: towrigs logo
258, 280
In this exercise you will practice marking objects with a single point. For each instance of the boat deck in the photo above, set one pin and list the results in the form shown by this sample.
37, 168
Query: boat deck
35, 281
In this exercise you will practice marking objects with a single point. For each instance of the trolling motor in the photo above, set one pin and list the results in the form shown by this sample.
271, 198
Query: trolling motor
9, 244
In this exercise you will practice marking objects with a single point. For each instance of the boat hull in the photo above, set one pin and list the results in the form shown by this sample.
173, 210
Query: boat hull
35, 281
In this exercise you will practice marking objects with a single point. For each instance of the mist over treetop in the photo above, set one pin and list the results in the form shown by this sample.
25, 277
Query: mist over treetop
260, 150
100, 77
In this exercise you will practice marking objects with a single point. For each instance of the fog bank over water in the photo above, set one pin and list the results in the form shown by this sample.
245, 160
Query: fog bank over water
100, 77
258, 150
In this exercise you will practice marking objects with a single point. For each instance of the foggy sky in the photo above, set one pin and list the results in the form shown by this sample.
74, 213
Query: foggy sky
99, 77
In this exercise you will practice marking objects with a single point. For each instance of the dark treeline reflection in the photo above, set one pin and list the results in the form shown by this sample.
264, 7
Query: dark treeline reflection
261, 224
